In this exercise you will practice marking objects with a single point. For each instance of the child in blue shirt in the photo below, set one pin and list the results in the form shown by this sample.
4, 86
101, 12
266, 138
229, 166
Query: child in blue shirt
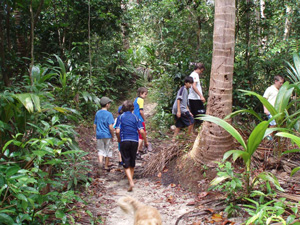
127, 128
103, 126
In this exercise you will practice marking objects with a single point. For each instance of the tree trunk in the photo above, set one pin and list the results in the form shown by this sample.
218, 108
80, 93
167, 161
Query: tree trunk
31, 42
4, 72
212, 141
89, 34
287, 26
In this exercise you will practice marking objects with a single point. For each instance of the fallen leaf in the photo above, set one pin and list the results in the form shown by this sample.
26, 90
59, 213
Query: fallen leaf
197, 223
210, 210
228, 222
165, 170
217, 217
191, 203
173, 185
202, 194
159, 174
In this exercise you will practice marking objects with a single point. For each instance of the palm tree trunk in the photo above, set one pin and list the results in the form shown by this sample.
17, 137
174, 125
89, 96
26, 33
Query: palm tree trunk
212, 141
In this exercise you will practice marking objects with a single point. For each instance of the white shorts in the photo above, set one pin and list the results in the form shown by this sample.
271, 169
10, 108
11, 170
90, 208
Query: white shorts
272, 123
103, 147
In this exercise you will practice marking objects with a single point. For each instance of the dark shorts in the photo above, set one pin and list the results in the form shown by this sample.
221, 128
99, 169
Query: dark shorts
128, 151
140, 136
184, 121
196, 107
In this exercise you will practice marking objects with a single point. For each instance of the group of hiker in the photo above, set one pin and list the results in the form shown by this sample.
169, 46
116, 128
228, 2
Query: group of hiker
130, 128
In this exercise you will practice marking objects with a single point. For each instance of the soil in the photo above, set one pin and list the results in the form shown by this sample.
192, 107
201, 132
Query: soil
179, 191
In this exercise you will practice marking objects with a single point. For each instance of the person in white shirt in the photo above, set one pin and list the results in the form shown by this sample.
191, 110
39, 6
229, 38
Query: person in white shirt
196, 98
271, 95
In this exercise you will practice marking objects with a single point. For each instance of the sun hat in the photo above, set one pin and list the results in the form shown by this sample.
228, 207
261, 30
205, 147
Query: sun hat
104, 100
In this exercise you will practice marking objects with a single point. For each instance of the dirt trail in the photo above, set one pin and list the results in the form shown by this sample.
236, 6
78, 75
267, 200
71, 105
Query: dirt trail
108, 187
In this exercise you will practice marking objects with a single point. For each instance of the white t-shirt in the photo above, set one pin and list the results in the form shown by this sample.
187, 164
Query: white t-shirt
271, 94
193, 95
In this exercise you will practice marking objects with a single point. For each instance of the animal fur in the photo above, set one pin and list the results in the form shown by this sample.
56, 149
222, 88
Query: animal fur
143, 214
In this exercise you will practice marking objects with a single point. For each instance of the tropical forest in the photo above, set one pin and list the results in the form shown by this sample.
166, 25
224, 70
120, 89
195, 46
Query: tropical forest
98, 126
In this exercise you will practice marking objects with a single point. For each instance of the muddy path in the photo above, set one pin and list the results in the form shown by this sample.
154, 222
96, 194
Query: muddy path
108, 186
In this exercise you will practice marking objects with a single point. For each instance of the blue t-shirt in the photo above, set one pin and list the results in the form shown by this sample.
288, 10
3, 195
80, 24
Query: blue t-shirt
103, 119
138, 105
129, 125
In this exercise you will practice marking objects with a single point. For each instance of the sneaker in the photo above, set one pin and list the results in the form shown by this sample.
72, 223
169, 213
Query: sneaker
269, 137
138, 156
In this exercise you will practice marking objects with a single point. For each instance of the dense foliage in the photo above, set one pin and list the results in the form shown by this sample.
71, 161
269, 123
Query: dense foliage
59, 57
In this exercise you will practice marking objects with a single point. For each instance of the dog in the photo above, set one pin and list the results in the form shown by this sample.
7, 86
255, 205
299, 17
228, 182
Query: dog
143, 214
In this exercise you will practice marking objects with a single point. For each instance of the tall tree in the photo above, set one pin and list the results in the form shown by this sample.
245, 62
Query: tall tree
212, 141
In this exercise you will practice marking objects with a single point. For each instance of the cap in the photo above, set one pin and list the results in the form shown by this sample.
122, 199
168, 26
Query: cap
105, 100
120, 108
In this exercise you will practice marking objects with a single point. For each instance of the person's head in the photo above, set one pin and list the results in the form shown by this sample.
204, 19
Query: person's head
105, 102
278, 81
142, 92
127, 106
188, 81
199, 68
120, 109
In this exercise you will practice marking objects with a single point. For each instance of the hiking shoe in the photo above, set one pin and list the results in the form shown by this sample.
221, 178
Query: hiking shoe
138, 156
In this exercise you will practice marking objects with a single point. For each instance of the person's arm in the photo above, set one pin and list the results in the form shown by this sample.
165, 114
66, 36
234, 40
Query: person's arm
178, 114
198, 92
142, 114
266, 111
95, 127
142, 132
118, 134
112, 131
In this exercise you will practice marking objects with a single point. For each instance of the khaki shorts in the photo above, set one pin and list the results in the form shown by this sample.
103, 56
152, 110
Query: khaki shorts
103, 147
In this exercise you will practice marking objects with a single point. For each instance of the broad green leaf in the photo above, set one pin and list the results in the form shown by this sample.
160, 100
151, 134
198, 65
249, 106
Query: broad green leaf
26, 100
291, 151
2, 188
263, 100
283, 97
226, 126
6, 219
256, 137
266, 176
295, 170
218, 180
12, 170
236, 154
54, 120
36, 101
250, 111
71, 152
291, 136
60, 214
21, 197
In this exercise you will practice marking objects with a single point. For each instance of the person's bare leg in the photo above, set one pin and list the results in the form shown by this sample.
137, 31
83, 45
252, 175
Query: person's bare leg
132, 171
120, 157
140, 146
190, 129
106, 162
176, 132
129, 177
100, 159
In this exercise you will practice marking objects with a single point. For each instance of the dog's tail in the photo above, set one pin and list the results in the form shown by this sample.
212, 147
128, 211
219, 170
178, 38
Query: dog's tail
127, 203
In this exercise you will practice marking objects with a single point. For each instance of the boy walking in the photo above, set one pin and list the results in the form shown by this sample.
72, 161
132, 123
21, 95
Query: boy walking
127, 128
139, 112
196, 98
271, 95
183, 116
103, 126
